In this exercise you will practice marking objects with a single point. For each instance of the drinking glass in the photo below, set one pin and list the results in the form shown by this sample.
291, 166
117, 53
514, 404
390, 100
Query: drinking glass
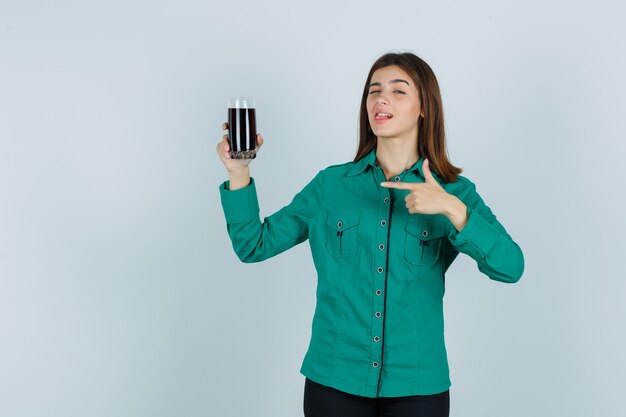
242, 128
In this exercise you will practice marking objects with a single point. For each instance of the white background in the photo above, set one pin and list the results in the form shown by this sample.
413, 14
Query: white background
120, 294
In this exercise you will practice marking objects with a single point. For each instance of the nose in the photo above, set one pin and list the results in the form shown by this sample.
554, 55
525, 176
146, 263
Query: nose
381, 100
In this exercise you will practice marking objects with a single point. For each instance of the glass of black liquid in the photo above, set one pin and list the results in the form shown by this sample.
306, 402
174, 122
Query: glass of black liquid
242, 128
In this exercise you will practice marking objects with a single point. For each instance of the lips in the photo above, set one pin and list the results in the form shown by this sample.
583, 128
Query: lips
382, 116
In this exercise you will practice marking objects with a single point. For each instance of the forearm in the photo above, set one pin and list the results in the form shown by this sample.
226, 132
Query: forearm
255, 240
239, 179
456, 212
487, 242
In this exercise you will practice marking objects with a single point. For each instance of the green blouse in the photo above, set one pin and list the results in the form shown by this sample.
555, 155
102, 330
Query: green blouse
378, 326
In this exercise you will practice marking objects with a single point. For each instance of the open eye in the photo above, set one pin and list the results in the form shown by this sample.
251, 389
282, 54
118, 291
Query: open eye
399, 92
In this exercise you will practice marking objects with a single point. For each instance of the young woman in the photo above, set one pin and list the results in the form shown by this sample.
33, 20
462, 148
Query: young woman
383, 230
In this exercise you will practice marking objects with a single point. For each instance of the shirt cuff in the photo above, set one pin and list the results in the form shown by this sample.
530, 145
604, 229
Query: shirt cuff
239, 205
477, 232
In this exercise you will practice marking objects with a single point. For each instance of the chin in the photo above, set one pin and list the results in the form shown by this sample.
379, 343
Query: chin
380, 130
383, 133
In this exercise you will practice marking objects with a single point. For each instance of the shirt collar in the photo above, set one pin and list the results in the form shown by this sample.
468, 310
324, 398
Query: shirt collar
362, 164
368, 160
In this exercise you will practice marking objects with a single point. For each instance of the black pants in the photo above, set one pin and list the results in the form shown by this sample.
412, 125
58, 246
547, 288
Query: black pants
323, 401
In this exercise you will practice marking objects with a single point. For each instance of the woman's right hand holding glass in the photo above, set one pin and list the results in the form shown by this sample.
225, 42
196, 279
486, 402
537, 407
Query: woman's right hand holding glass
238, 169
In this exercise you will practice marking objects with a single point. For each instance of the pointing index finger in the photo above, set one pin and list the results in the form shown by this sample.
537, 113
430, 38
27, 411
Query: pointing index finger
397, 185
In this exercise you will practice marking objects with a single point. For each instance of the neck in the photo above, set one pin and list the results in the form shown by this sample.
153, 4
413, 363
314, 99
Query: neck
395, 156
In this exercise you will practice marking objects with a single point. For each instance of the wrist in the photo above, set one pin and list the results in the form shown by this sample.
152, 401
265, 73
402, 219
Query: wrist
238, 169
239, 179
240, 172
456, 212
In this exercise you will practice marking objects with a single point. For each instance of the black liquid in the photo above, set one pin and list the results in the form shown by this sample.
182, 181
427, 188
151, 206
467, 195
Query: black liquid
242, 133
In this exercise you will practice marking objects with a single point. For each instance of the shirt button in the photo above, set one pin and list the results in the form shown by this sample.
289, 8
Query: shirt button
378, 292
380, 270
376, 339
375, 364
383, 222
377, 314
381, 246
396, 178
425, 233
386, 200
339, 225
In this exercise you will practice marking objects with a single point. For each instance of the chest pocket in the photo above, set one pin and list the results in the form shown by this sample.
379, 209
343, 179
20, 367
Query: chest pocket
423, 243
342, 233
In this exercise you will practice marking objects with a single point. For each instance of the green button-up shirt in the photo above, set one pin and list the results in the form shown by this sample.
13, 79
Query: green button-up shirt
378, 326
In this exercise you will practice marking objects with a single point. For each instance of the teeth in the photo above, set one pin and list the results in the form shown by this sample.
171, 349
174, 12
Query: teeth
384, 114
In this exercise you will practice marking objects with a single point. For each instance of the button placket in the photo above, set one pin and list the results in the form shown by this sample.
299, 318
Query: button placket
380, 276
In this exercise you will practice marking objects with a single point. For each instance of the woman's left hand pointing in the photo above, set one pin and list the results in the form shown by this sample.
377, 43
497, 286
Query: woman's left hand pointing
424, 197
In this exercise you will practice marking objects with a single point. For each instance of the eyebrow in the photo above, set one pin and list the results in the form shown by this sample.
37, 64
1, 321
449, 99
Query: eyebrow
397, 80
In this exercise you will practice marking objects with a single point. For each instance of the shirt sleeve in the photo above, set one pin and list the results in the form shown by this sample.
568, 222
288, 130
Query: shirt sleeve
485, 239
254, 240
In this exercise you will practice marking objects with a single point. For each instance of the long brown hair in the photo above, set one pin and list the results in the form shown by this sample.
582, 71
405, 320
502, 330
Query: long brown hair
431, 141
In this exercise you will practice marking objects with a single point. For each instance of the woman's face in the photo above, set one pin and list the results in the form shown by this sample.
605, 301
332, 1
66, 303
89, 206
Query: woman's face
393, 104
